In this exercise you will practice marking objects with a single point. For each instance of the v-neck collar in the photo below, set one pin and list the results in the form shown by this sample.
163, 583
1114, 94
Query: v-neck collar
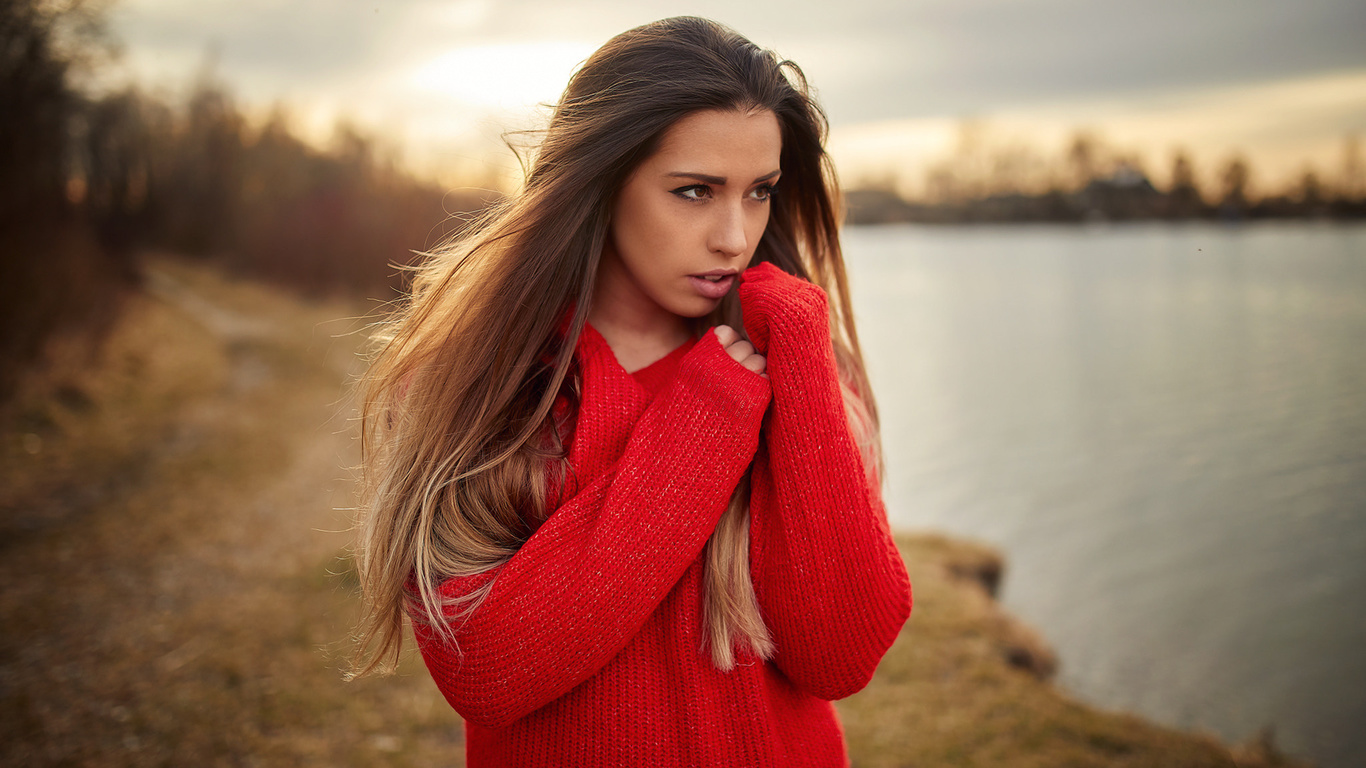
648, 379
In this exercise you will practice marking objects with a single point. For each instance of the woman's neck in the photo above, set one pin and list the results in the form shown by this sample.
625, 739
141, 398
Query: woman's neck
636, 335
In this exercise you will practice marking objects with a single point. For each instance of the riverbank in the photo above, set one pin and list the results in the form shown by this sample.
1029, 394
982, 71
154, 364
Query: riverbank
967, 684
176, 591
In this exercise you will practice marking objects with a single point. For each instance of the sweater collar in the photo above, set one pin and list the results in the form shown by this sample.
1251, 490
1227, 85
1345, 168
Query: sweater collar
592, 345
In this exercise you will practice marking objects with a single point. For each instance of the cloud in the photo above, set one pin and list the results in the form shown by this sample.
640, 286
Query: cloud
872, 59
960, 58
422, 70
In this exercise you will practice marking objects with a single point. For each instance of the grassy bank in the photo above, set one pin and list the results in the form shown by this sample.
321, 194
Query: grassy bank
175, 589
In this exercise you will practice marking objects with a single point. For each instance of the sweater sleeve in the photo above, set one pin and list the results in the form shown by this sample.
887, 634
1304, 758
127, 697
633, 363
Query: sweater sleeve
586, 581
830, 581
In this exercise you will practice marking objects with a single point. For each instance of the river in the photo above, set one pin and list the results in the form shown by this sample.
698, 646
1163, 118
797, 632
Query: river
1164, 429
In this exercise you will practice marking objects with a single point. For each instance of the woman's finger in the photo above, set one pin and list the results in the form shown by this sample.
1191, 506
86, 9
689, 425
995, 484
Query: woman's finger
741, 349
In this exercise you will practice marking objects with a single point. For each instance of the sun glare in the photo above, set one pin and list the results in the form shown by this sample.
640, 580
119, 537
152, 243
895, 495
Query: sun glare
510, 76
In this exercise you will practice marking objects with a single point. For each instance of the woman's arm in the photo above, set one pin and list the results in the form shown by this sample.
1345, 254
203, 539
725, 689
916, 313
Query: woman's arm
830, 582
585, 582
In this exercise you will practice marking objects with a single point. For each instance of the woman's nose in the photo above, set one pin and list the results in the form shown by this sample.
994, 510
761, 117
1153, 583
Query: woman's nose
728, 232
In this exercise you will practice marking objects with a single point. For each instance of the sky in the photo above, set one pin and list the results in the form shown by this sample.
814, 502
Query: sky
1282, 81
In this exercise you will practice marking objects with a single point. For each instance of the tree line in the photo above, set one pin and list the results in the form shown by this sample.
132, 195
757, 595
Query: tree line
1092, 180
89, 181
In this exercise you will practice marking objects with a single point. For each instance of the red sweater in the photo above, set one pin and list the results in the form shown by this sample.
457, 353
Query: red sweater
587, 650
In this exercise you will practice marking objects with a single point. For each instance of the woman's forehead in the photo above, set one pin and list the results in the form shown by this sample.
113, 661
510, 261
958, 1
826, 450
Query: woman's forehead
721, 143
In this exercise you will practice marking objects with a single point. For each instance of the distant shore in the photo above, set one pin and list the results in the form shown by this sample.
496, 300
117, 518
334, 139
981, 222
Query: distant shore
1122, 198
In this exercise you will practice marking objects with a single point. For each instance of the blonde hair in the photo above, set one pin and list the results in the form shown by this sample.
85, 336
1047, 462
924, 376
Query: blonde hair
458, 439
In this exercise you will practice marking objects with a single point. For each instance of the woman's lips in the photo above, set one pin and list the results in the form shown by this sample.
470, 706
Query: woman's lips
712, 289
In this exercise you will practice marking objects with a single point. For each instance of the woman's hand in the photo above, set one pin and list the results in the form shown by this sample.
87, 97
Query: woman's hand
740, 350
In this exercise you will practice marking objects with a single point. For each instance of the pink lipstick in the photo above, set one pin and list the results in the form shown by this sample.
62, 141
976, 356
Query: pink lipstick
716, 287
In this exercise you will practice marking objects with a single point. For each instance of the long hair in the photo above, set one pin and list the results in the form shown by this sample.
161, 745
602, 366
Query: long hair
460, 440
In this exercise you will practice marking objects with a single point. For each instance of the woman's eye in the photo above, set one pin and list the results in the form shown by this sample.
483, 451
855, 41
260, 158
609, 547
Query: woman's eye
763, 192
693, 192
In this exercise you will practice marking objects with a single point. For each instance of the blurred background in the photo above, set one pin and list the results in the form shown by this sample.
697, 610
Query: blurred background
1108, 264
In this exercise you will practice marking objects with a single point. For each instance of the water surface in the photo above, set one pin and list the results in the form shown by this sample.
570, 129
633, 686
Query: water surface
1164, 428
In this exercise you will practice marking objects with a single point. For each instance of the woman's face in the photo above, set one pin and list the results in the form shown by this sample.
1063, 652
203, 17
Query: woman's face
689, 218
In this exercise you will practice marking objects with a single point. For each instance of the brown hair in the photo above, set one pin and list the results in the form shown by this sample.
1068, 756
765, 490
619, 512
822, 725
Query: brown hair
459, 445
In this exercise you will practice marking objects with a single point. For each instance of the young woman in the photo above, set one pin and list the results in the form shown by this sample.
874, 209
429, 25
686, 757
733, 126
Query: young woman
621, 452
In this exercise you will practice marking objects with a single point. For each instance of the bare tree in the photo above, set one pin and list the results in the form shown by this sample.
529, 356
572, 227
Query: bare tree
1235, 177
1352, 186
1183, 195
44, 46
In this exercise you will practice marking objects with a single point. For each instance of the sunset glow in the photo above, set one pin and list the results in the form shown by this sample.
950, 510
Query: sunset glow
510, 76
443, 81
1287, 125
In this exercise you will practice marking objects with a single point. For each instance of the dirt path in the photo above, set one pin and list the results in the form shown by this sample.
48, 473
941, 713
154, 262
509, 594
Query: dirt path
183, 613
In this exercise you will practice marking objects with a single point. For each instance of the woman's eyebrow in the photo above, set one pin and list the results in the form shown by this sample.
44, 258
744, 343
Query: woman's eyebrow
719, 181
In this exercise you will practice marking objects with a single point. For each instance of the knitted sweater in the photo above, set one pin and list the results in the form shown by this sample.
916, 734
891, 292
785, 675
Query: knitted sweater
588, 650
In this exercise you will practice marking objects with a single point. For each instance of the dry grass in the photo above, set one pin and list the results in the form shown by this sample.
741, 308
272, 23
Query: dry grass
167, 597
176, 592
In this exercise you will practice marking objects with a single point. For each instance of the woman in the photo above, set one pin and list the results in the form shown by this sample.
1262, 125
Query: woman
626, 534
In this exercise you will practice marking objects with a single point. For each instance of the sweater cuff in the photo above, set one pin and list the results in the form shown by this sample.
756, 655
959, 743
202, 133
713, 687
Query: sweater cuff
712, 374
776, 303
